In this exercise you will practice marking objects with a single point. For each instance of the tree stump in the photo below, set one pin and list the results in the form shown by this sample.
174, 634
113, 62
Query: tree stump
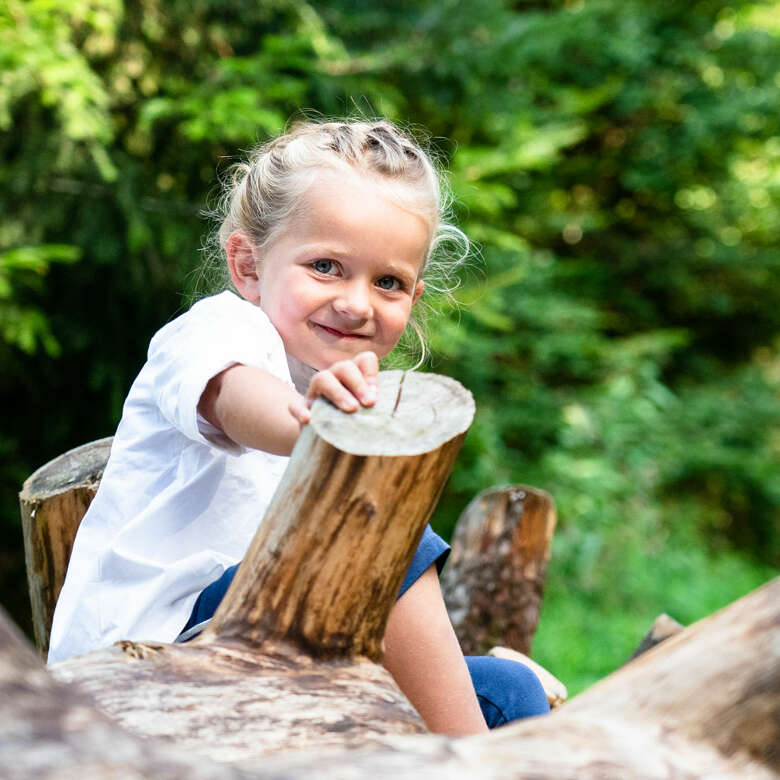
289, 660
494, 581
53, 501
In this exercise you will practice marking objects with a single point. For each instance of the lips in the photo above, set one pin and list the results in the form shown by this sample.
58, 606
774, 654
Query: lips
340, 334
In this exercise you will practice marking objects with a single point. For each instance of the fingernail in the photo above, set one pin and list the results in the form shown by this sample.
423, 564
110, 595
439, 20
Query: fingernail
369, 396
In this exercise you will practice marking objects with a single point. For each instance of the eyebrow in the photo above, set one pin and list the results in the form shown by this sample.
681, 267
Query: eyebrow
401, 273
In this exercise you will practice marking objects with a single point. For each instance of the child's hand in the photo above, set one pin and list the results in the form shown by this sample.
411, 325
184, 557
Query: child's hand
346, 384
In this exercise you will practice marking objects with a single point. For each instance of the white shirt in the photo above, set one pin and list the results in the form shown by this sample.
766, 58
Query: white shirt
179, 501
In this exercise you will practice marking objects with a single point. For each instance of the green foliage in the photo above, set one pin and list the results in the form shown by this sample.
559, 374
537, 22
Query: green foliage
617, 165
26, 327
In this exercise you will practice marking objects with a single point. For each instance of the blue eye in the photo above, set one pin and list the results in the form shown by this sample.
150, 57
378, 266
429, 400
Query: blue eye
323, 266
388, 283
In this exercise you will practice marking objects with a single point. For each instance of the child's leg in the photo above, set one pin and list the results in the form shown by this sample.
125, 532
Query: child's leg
506, 690
423, 655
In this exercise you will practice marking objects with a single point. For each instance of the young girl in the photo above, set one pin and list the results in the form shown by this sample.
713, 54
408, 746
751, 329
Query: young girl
328, 233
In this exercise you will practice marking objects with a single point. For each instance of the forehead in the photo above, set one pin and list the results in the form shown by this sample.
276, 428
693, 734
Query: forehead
415, 198
359, 211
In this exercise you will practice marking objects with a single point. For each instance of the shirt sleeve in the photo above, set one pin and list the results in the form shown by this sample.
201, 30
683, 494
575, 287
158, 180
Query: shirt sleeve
213, 335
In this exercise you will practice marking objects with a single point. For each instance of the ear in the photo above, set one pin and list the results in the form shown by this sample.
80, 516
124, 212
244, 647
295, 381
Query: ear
243, 265
418, 291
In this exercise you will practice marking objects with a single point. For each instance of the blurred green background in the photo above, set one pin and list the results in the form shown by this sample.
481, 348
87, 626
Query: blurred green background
617, 164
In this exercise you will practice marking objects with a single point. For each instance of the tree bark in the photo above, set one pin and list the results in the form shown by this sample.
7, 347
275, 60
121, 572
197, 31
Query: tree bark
53, 501
494, 581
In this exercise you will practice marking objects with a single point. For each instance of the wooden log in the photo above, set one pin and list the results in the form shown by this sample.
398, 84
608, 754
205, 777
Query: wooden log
289, 659
494, 580
346, 519
663, 627
53, 501
49, 729
704, 703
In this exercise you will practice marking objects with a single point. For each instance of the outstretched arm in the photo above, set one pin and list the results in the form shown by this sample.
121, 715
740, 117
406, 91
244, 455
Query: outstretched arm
258, 410
423, 655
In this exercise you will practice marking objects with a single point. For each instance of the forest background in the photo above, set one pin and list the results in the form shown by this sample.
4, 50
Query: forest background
617, 164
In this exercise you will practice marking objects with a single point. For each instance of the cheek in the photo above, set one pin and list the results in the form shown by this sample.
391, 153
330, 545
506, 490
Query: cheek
396, 323
290, 306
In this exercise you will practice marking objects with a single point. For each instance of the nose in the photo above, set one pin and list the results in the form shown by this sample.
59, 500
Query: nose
354, 301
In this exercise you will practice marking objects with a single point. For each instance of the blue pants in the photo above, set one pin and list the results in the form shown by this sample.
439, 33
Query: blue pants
506, 690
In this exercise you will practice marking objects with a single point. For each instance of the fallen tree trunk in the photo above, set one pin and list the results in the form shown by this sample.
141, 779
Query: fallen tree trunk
704, 703
50, 730
494, 581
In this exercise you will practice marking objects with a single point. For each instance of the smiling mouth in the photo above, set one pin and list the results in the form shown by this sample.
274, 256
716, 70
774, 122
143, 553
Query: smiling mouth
340, 333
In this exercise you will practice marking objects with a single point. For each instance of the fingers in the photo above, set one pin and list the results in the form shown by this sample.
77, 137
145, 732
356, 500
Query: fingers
368, 363
348, 383
299, 410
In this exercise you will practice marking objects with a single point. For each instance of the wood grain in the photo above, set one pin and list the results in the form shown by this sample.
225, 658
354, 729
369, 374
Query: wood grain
704, 703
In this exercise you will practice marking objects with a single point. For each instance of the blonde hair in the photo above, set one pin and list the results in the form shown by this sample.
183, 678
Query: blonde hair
261, 194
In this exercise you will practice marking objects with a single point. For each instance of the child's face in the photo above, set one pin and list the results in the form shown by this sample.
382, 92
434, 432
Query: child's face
343, 275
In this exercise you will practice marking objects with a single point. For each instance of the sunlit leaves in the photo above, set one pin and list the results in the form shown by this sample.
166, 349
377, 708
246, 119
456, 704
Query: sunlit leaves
39, 55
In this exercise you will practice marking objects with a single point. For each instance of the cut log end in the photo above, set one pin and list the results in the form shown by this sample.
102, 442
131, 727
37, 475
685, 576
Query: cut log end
53, 502
415, 413
80, 467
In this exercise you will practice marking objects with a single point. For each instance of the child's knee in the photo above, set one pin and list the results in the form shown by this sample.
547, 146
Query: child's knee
506, 690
